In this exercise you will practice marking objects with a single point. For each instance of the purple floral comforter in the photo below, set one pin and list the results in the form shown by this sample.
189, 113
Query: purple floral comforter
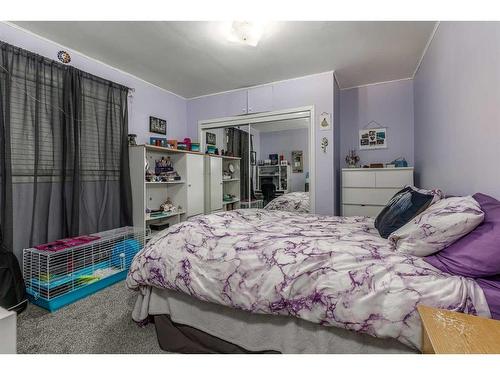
334, 271
293, 202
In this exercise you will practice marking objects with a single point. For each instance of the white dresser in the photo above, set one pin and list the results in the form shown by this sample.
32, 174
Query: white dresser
365, 191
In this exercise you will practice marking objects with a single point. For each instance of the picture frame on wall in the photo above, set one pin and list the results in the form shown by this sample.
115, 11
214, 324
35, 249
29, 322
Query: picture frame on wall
157, 125
372, 139
211, 139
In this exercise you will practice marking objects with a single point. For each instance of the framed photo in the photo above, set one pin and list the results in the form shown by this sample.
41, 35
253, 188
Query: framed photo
157, 125
297, 162
253, 158
373, 139
211, 139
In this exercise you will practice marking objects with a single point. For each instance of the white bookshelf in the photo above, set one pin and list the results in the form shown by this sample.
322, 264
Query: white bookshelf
186, 194
216, 186
280, 175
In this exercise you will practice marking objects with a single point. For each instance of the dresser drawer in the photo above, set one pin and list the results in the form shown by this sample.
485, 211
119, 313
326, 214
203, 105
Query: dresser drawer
393, 178
361, 210
375, 197
358, 179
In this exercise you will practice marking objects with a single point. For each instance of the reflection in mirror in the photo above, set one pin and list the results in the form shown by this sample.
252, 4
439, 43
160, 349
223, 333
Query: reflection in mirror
228, 172
260, 163
282, 158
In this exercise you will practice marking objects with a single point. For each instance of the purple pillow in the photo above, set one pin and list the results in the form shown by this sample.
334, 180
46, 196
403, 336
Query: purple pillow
478, 253
491, 289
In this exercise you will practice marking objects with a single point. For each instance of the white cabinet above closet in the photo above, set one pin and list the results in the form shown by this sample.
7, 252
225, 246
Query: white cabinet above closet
260, 99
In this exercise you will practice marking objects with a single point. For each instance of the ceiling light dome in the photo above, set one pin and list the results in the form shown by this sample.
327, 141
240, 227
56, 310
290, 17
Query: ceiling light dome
245, 32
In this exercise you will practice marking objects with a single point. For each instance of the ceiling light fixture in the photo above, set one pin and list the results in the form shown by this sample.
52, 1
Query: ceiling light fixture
245, 32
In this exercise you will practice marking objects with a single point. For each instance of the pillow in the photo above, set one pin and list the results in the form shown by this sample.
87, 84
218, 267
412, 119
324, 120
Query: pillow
403, 206
477, 254
437, 194
438, 226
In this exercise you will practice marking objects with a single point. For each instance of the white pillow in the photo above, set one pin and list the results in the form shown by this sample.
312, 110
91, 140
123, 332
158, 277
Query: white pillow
438, 226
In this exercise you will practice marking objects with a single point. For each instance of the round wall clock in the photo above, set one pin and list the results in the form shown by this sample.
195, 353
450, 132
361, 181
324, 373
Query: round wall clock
64, 57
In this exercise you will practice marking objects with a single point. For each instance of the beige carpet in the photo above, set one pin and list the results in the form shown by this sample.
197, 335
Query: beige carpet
100, 323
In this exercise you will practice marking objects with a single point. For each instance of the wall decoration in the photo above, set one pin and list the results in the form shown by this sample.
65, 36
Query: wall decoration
324, 144
325, 121
372, 139
64, 57
211, 138
157, 125
297, 161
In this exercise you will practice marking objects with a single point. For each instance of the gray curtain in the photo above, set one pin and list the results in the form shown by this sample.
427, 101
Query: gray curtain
63, 151
238, 145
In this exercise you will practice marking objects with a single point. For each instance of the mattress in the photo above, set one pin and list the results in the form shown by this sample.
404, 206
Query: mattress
329, 271
256, 332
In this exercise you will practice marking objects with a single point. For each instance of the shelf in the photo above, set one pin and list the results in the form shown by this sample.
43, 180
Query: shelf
167, 150
164, 216
231, 201
231, 179
165, 182
224, 157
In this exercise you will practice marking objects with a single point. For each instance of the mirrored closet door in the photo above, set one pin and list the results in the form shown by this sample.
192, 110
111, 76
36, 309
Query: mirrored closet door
250, 165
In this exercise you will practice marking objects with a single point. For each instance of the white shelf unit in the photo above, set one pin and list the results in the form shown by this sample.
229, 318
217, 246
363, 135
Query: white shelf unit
216, 186
186, 194
280, 174
233, 185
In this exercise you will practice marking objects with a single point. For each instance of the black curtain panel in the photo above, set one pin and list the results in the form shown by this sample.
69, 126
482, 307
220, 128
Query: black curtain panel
63, 151
238, 145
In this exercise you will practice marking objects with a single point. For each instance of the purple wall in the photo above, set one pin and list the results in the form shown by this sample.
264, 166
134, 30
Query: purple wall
391, 105
147, 100
457, 110
284, 142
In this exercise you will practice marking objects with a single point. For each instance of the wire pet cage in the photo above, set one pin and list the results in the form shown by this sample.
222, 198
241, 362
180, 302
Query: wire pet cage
62, 272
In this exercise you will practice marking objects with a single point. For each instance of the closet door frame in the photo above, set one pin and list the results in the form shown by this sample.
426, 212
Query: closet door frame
287, 114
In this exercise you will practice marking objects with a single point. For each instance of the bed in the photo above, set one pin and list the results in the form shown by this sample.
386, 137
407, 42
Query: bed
299, 276
292, 202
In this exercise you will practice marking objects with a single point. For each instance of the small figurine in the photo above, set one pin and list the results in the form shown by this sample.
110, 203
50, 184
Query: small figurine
168, 165
352, 159
167, 206
132, 140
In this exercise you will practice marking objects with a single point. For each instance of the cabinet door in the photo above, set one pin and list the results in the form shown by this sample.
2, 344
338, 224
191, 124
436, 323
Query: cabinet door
195, 186
215, 183
260, 99
236, 103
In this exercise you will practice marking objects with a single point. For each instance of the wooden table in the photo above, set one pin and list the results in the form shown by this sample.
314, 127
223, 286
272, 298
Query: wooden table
449, 332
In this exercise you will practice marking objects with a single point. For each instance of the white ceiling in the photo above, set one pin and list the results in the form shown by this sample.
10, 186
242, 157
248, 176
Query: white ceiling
193, 58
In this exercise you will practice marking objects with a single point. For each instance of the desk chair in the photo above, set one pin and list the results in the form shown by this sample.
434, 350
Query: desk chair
269, 192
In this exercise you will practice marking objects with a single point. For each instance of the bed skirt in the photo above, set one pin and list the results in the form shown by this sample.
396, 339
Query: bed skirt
187, 325
181, 338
